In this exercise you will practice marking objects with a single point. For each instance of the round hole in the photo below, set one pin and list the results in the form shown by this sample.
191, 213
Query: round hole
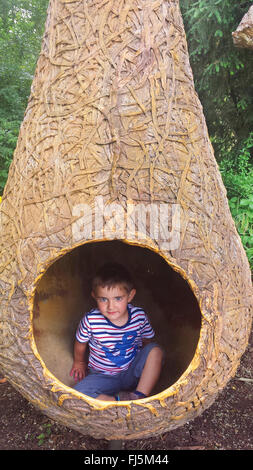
63, 296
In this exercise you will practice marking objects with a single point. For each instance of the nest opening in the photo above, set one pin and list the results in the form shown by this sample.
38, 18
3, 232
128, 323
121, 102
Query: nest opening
63, 295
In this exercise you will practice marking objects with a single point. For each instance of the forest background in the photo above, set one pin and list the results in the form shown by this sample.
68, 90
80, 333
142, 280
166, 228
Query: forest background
223, 78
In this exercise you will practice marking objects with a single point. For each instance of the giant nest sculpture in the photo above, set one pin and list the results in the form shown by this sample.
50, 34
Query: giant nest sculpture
113, 130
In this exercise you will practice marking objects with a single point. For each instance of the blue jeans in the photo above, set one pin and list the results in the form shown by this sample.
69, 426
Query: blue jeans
96, 383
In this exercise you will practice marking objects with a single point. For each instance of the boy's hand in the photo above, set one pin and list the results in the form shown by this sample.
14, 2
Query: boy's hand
78, 371
79, 368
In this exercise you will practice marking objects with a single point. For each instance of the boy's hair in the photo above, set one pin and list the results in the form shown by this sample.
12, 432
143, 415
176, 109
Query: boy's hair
111, 274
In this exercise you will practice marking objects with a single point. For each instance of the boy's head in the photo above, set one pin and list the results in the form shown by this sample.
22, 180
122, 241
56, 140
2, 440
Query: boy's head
112, 288
112, 275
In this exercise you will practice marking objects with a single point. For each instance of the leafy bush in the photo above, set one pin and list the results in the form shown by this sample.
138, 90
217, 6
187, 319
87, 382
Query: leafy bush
237, 172
242, 212
238, 178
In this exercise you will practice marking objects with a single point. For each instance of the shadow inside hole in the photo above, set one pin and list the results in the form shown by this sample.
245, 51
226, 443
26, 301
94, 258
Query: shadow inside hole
63, 296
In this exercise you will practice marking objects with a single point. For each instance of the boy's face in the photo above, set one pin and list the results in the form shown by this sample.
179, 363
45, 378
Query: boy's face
112, 303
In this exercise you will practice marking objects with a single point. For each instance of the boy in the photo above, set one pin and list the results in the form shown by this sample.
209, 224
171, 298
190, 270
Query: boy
123, 362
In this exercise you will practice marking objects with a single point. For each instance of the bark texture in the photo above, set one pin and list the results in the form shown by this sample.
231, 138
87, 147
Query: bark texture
243, 36
113, 112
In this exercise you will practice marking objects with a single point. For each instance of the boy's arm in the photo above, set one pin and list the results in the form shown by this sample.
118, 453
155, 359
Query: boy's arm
147, 328
79, 367
147, 341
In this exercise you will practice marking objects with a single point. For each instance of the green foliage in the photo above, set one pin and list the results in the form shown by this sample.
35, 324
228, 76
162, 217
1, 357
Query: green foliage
223, 73
238, 179
45, 435
242, 212
21, 29
8, 137
237, 173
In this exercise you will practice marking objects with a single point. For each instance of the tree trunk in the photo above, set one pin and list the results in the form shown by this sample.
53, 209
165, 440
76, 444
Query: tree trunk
114, 126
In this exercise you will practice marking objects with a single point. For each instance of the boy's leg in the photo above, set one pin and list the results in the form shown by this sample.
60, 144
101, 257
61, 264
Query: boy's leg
104, 397
97, 385
151, 371
144, 371
142, 376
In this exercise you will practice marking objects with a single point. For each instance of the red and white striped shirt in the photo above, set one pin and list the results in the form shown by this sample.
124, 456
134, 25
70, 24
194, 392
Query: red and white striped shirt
112, 347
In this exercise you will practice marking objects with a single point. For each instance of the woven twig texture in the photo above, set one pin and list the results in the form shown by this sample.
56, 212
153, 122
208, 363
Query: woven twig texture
243, 36
113, 113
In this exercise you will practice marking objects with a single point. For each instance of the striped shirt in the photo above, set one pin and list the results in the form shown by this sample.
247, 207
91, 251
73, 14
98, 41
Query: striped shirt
112, 347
